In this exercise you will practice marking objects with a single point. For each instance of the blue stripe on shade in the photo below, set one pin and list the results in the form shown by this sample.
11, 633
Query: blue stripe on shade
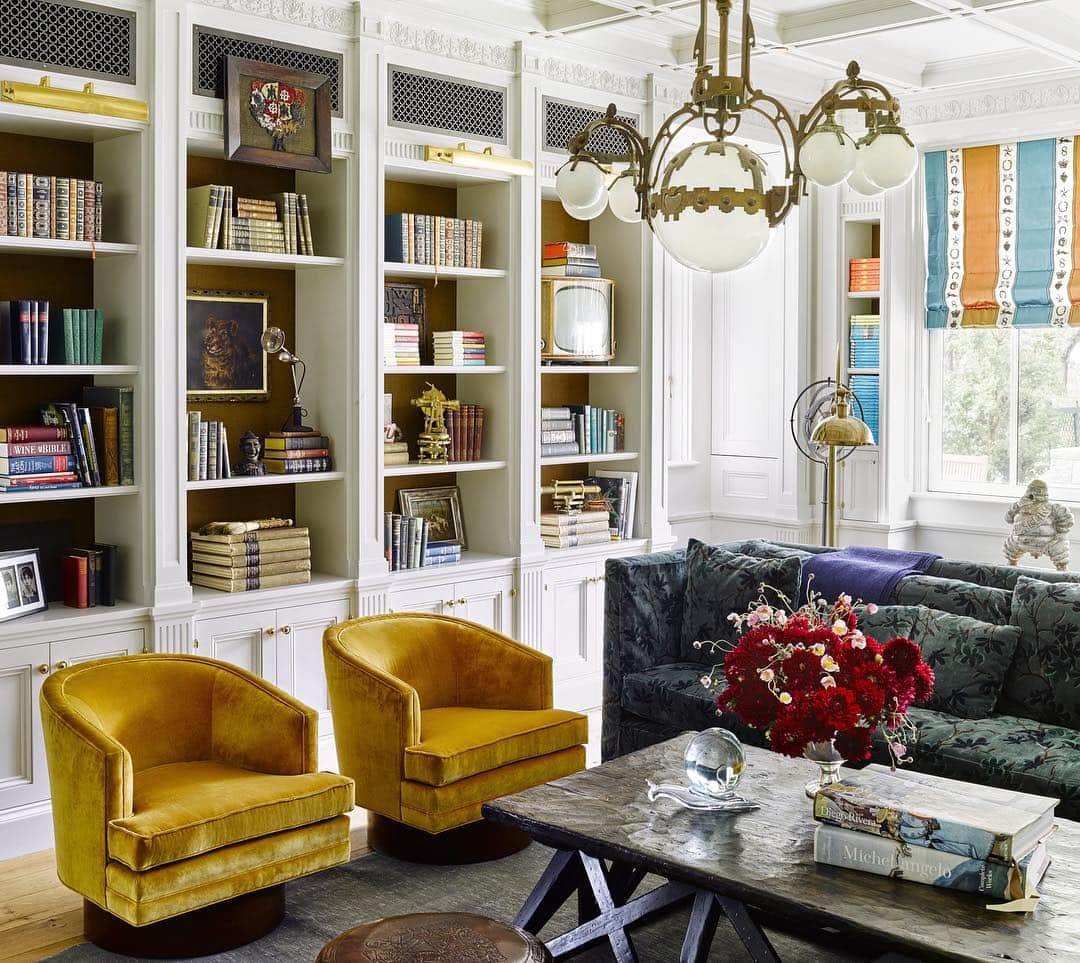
1035, 183
937, 198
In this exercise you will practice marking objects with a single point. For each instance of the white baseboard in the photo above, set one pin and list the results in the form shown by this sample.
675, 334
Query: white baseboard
26, 829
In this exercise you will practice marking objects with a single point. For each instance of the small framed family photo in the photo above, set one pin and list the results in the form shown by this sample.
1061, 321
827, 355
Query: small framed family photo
22, 589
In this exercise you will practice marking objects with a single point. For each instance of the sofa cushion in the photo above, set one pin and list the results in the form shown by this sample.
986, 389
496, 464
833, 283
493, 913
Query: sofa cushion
457, 741
890, 621
1043, 682
183, 809
996, 576
718, 583
760, 548
960, 598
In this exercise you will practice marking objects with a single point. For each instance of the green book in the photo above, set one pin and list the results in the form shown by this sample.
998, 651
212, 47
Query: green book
69, 338
123, 399
86, 317
99, 331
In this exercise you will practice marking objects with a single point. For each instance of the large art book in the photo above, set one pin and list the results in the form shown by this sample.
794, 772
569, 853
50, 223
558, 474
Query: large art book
975, 822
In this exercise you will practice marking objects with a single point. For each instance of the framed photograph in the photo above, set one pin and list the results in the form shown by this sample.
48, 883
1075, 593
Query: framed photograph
276, 116
225, 359
22, 588
440, 508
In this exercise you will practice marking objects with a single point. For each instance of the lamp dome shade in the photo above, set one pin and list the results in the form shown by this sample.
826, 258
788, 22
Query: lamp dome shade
888, 160
589, 212
827, 156
579, 183
623, 198
861, 184
713, 239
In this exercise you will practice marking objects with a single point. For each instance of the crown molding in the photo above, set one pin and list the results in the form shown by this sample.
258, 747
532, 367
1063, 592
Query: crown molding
333, 16
999, 102
455, 46
577, 74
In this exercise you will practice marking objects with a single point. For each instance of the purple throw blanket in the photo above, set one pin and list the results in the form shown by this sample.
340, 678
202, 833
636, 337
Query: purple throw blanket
866, 574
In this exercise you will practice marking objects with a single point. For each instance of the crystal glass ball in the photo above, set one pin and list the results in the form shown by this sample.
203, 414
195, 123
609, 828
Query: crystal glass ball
714, 762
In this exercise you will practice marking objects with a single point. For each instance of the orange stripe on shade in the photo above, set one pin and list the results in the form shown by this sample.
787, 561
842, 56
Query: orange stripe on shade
981, 202
1074, 278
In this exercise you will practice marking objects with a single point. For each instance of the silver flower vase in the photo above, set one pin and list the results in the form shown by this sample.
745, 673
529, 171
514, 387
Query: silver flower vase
829, 762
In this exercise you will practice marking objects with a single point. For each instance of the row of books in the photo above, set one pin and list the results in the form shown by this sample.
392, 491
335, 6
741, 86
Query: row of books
431, 239
406, 544
459, 348
401, 345
581, 430
25, 336
278, 225
244, 556
466, 429
297, 452
566, 259
90, 576
37, 205
926, 829
864, 343
208, 449
864, 274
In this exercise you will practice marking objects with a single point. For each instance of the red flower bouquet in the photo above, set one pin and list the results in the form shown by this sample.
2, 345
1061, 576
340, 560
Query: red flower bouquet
817, 685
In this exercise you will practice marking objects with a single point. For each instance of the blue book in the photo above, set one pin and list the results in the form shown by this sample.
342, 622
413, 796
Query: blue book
36, 464
397, 238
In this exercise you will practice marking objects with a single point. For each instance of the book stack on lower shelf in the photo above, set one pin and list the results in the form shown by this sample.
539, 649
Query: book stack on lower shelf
565, 259
244, 556
64, 208
466, 429
36, 458
401, 345
278, 225
297, 452
90, 576
581, 430
456, 349
570, 531
406, 544
208, 449
925, 829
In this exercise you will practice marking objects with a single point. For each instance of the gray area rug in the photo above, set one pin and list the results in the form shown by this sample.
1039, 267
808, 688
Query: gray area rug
323, 905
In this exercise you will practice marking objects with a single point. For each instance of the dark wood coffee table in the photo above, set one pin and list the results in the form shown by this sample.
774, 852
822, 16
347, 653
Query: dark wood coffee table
756, 866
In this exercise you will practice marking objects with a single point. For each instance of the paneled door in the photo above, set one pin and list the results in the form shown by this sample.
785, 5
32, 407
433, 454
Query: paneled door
247, 640
23, 774
74, 651
572, 632
488, 601
433, 599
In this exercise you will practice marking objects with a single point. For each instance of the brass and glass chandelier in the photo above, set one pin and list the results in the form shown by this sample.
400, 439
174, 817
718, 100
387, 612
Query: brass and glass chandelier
712, 205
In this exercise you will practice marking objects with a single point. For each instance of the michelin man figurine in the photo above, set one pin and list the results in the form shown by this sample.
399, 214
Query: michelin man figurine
1039, 527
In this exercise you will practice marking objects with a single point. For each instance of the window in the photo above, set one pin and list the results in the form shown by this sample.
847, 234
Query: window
1005, 408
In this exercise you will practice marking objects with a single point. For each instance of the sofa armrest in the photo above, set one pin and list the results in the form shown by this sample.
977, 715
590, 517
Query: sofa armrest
643, 612
495, 672
91, 781
256, 726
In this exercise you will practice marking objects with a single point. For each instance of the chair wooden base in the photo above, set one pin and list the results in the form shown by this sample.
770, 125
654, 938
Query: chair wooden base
477, 842
214, 929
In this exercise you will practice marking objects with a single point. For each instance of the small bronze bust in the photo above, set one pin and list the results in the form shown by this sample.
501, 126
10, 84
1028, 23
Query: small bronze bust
250, 449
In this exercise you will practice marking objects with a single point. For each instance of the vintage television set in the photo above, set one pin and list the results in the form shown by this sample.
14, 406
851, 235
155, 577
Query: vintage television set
577, 320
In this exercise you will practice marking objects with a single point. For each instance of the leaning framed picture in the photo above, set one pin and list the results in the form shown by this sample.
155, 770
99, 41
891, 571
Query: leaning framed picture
22, 587
225, 359
441, 508
276, 116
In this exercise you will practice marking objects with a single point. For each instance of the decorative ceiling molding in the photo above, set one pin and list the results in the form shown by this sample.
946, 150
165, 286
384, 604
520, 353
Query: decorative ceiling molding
451, 45
319, 14
974, 104
595, 78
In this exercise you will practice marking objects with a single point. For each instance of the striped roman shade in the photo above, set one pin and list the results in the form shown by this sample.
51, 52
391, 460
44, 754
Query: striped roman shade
1003, 235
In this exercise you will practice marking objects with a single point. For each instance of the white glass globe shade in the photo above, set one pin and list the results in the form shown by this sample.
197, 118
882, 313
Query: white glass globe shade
580, 184
861, 184
588, 212
714, 240
827, 156
888, 160
623, 199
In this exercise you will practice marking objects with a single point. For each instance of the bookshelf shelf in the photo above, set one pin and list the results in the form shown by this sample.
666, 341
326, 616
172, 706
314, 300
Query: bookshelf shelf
415, 468
601, 549
398, 269
64, 124
256, 259
211, 599
68, 494
864, 295
57, 248
76, 370
590, 369
594, 459
60, 619
469, 564
443, 175
475, 369
215, 484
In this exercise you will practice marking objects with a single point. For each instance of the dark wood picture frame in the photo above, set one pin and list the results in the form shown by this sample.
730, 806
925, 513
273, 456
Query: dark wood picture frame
242, 343
420, 502
17, 596
236, 100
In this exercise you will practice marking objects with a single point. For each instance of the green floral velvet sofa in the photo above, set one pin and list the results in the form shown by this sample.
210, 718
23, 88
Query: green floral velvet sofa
1004, 643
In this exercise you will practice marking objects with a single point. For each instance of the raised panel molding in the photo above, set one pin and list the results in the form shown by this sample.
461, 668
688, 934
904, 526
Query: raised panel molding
744, 484
16, 683
320, 14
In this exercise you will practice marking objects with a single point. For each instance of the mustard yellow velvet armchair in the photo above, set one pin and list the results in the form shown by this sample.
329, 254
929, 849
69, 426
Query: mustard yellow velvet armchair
180, 783
434, 716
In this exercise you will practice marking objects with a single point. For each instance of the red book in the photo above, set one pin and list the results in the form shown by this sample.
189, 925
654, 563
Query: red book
22, 449
32, 481
470, 431
76, 595
479, 432
33, 433
297, 453
460, 422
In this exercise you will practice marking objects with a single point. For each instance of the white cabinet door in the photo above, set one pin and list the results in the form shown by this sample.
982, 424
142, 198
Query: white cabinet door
488, 601
572, 633
23, 775
859, 491
434, 599
73, 651
247, 640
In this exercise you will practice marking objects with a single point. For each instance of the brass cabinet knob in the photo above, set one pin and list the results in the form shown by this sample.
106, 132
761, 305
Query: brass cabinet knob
195, 644
513, 593
271, 630
286, 629
43, 669
62, 664
450, 604
462, 601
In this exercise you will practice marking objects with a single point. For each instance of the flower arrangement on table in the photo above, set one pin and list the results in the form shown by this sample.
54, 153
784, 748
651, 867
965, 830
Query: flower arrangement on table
817, 685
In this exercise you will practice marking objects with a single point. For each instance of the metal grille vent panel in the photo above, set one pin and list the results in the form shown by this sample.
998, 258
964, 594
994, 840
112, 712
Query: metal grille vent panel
68, 37
563, 121
425, 101
213, 46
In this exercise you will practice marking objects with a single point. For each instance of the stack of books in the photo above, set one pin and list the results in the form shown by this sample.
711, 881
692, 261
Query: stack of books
865, 341
581, 430
566, 259
618, 489
64, 208
458, 348
90, 576
558, 530
297, 452
406, 544
395, 452
218, 219
243, 556
24, 332
957, 835
208, 449
430, 239
37, 458
256, 227
865, 275
401, 345
466, 429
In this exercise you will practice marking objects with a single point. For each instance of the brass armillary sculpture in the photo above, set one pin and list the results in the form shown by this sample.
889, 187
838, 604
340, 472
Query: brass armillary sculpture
712, 204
